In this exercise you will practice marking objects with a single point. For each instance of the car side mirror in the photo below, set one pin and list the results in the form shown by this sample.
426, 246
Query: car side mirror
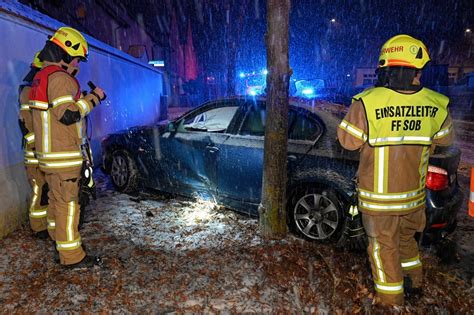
172, 127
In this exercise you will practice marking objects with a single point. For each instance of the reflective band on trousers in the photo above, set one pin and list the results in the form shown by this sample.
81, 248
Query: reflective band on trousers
391, 196
51, 224
391, 207
68, 245
58, 155
353, 130
39, 105
378, 261
411, 263
71, 212
389, 288
60, 164
34, 199
471, 196
401, 139
62, 100
24, 107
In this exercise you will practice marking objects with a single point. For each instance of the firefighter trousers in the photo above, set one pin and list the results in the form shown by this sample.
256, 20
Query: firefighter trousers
393, 253
63, 215
38, 208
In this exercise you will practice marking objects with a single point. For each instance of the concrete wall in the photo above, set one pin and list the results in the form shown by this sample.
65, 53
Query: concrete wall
133, 91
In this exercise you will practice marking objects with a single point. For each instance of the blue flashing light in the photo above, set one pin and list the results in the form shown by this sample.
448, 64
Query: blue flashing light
264, 71
253, 92
242, 75
308, 92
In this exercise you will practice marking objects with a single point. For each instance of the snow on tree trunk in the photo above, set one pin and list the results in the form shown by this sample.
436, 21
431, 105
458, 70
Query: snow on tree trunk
273, 206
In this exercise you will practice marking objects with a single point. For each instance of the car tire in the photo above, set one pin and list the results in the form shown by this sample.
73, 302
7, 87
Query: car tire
315, 214
124, 172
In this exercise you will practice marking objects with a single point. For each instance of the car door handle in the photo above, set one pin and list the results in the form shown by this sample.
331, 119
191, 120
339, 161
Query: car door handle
212, 149
291, 158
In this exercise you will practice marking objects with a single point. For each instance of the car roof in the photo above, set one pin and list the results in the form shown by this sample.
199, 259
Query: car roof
330, 113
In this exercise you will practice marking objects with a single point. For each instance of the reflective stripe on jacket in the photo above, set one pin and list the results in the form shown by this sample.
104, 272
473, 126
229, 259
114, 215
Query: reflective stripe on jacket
395, 118
27, 120
58, 145
393, 158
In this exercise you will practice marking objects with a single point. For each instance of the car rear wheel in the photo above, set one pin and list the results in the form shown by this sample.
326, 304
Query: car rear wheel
124, 172
315, 214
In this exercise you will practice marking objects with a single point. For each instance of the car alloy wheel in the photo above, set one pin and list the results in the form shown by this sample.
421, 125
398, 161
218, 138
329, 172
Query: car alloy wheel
124, 172
316, 216
119, 170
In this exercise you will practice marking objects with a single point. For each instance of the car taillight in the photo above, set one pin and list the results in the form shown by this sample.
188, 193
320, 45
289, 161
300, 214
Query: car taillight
439, 225
437, 178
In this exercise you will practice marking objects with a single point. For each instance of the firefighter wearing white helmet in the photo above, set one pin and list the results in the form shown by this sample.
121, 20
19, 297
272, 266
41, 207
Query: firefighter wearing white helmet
39, 202
395, 126
59, 110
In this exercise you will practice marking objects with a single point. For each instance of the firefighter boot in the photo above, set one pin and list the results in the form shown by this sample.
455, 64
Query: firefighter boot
86, 263
42, 235
411, 293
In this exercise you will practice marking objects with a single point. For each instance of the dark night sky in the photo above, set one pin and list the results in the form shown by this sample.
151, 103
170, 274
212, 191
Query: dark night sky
320, 48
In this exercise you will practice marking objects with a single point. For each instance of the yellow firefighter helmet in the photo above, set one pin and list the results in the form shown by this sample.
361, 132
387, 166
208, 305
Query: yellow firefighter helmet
36, 62
403, 50
72, 42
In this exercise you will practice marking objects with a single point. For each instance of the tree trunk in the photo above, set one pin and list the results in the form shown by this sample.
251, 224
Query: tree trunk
273, 206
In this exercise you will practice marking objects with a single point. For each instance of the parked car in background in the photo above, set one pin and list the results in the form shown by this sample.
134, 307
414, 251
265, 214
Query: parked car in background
215, 152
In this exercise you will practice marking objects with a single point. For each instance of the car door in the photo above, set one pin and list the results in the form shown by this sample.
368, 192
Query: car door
241, 158
240, 166
190, 152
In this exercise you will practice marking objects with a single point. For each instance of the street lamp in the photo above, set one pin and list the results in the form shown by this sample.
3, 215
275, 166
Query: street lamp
468, 30
333, 20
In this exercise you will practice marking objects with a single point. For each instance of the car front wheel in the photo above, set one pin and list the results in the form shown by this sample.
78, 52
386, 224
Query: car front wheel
124, 172
315, 214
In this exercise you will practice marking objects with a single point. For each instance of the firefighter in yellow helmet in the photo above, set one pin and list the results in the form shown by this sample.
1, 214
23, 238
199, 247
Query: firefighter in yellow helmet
394, 125
58, 112
39, 202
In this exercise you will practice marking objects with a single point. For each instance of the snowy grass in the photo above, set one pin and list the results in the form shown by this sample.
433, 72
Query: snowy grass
176, 255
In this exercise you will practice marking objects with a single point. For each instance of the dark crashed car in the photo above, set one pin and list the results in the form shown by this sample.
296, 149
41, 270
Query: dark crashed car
215, 152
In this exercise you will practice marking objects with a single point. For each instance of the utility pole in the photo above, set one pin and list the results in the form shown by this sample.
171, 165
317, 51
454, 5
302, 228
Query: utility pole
273, 205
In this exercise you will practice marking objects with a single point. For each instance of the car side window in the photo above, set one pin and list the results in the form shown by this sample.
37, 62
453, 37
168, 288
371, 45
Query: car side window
304, 128
213, 120
254, 122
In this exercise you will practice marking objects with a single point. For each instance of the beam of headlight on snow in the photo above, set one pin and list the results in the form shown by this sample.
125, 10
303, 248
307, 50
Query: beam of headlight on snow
200, 211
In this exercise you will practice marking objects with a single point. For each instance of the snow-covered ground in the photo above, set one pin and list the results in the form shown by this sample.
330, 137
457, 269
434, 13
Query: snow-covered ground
174, 255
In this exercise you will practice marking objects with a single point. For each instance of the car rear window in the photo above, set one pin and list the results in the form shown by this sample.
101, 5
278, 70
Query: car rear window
300, 126
304, 128
254, 122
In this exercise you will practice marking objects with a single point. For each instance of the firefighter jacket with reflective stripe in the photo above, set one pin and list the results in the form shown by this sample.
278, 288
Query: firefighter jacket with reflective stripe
26, 122
394, 118
394, 132
58, 112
